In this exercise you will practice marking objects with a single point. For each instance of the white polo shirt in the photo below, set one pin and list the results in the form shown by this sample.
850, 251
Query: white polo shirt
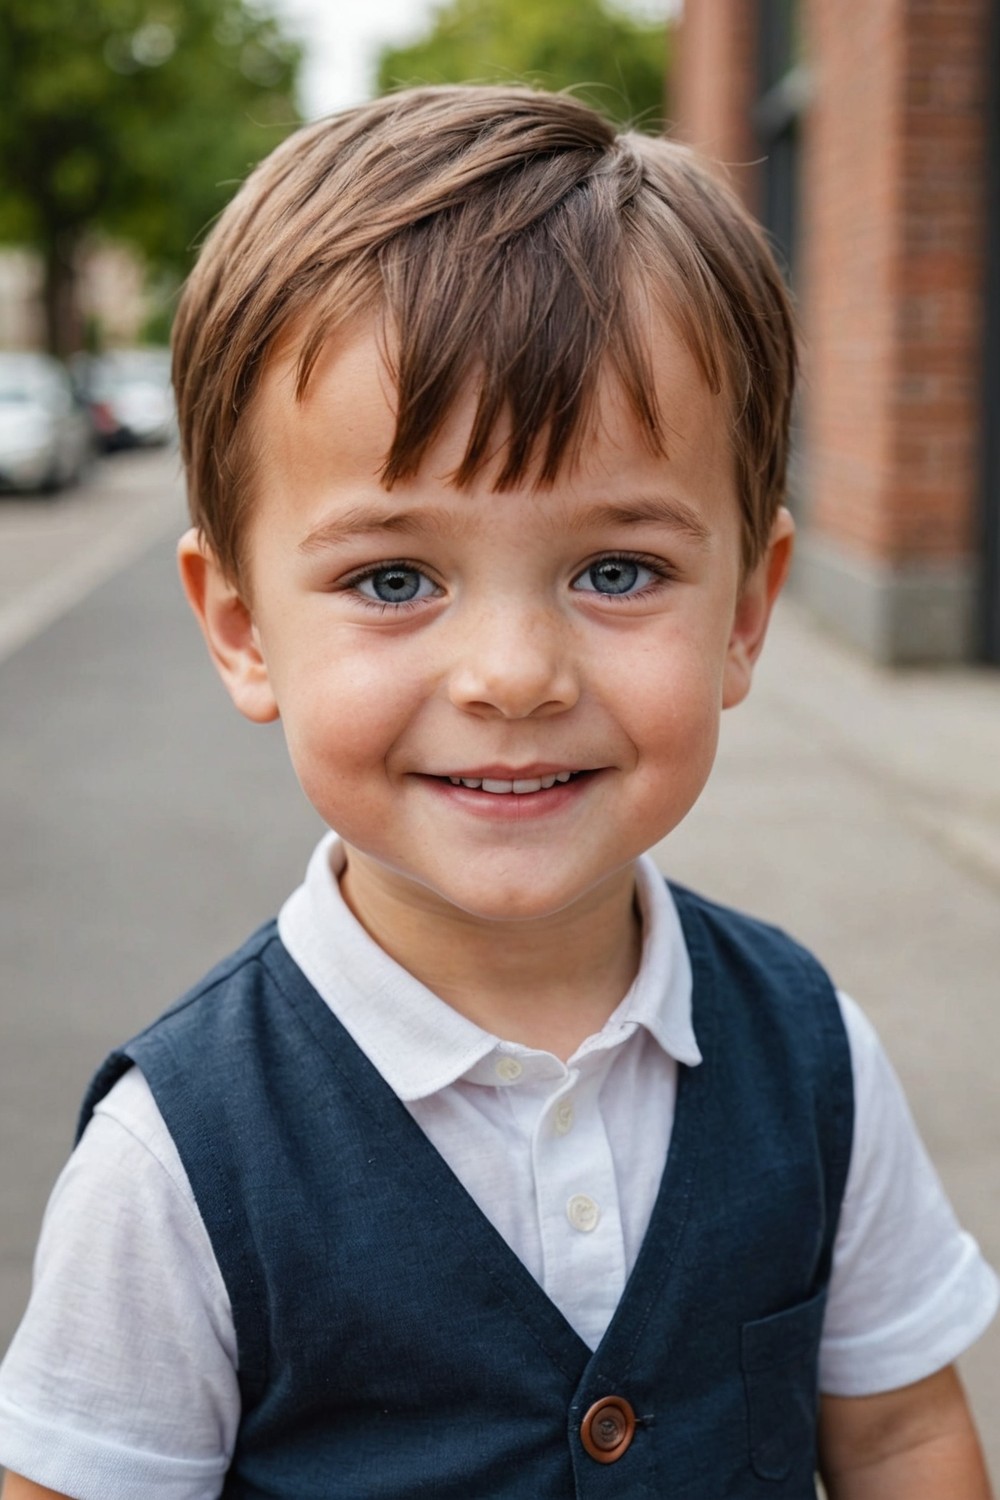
122, 1377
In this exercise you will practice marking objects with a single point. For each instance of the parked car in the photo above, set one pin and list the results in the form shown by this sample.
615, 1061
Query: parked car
128, 395
45, 439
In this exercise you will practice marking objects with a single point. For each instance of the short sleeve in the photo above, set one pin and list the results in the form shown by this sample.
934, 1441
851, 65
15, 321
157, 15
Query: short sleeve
121, 1379
909, 1289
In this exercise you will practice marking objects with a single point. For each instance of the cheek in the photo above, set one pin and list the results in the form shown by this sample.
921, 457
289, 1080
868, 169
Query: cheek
677, 752
673, 697
679, 740
344, 712
673, 722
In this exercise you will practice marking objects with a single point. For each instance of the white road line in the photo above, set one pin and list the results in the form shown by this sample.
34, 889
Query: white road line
52, 596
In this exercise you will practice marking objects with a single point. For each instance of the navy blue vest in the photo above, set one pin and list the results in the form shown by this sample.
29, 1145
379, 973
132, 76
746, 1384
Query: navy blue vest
392, 1346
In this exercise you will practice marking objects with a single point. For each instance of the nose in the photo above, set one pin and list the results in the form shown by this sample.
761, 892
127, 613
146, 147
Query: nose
514, 663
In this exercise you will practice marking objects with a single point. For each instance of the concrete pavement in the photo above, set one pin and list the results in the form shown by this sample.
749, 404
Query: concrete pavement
146, 828
56, 549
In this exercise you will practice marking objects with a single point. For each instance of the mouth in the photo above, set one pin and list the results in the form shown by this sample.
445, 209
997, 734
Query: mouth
515, 786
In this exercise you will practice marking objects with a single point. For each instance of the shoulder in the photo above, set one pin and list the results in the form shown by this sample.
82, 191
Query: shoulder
744, 938
209, 1016
762, 991
125, 1282
126, 1123
770, 1028
127, 1175
763, 944
232, 976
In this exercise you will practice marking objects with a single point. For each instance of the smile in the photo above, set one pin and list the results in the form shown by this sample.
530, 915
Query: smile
519, 788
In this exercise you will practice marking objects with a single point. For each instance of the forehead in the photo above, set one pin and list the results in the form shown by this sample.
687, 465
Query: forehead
328, 447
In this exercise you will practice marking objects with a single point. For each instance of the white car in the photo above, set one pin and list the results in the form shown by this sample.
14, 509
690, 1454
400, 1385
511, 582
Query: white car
129, 395
45, 438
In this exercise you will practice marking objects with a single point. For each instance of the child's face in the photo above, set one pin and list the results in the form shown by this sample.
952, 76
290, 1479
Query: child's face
415, 639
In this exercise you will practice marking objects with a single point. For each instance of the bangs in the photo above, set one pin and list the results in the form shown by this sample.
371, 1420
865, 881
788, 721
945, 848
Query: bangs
532, 316
532, 312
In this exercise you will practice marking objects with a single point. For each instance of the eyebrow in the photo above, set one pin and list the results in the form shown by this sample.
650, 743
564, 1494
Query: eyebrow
652, 510
365, 520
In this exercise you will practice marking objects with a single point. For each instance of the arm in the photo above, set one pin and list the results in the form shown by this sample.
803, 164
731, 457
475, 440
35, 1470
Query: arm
915, 1443
16, 1488
124, 1364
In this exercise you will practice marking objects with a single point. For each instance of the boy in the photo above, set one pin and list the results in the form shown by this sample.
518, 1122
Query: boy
484, 412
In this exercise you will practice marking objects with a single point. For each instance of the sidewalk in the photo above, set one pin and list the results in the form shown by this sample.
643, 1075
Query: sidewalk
57, 550
860, 809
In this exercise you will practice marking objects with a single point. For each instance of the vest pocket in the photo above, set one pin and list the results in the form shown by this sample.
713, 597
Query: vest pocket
780, 1359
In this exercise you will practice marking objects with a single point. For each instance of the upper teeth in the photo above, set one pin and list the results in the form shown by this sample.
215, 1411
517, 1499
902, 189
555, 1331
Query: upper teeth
532, 784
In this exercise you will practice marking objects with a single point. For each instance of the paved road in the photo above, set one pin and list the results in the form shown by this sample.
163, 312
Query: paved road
146, 828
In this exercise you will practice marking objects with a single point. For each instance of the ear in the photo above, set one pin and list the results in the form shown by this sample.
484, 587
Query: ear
753, 610
228, 628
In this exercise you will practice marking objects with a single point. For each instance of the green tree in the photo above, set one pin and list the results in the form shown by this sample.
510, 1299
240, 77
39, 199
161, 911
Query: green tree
617, 63
132, 117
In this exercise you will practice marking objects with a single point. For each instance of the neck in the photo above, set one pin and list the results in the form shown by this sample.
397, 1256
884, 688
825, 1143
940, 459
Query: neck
547, 983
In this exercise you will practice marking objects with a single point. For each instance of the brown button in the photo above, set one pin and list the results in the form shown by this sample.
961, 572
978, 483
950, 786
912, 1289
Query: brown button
607, 1429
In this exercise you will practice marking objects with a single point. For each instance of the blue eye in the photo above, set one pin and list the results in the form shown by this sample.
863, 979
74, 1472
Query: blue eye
395, 584
614, 575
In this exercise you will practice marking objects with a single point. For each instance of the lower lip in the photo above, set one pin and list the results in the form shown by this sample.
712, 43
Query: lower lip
514, 807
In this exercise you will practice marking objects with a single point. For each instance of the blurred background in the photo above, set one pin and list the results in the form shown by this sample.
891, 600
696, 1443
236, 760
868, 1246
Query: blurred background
145, 828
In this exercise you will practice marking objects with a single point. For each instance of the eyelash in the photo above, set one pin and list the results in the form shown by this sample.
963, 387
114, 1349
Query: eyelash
662, 573
383, 606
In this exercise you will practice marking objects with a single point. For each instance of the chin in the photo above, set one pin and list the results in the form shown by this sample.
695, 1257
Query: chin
527, 899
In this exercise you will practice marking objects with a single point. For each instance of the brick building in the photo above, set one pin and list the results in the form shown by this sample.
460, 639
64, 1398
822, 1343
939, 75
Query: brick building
866, 134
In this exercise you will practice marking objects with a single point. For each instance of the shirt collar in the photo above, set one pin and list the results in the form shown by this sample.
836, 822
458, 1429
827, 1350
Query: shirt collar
660, 996
419, 1043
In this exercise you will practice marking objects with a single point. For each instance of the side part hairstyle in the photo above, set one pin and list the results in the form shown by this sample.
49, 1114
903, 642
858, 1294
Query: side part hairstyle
504, 237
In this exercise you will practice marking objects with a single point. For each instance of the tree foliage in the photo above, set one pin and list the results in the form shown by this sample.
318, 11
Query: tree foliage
134, 117
616, 63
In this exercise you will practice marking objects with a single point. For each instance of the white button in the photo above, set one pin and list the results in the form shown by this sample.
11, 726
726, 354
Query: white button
509, 1069
582, 1212
564, 1116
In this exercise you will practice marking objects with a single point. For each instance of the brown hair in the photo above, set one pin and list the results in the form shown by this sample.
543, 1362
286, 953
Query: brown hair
501, 232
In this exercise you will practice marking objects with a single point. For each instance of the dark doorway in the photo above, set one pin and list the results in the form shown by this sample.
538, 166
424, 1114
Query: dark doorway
990, 417
782, 96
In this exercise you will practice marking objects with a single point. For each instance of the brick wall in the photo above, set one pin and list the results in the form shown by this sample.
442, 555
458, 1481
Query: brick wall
890, 281
892, 274
850, 208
